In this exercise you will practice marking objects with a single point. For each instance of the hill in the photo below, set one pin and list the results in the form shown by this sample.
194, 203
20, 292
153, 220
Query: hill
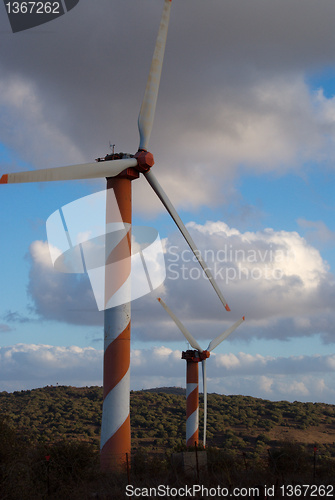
158, 419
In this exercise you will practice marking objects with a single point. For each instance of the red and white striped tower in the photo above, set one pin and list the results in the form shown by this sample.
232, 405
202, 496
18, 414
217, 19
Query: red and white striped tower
192, 397
115, 427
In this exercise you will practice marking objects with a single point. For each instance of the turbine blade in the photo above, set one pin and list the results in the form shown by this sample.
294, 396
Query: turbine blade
204, 383
214, 343
181, 327
147, 111
170, 208
84, 171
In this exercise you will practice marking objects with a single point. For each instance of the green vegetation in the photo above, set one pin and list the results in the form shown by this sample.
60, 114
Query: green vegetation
158, 418
247, 438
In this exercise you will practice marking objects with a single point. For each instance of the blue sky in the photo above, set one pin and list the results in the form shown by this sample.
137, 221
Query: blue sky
244, 143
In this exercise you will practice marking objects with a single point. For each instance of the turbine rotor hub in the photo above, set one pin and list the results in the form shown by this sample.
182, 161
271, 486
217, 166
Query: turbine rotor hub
145, 160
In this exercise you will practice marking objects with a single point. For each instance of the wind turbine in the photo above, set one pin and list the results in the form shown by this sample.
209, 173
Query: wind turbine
120, 170
192, 376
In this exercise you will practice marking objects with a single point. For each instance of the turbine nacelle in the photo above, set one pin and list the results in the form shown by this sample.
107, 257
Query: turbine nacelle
195, 356
145, 160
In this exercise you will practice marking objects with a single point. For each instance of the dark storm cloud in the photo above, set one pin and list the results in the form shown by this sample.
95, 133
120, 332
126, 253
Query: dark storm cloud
59, 296
88, 69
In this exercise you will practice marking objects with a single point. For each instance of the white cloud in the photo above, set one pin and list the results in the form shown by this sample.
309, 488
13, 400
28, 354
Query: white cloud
304, 378
160, 361
275, 278
268, 256
257, 364
29, 365
40, 253
295, 387
266, 384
